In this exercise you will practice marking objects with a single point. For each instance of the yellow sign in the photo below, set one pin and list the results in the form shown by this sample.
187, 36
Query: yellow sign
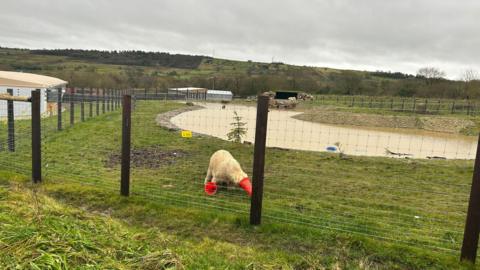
186, 134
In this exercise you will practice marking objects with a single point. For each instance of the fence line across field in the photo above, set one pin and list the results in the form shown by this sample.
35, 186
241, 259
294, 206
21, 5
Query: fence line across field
439, 227
412, 104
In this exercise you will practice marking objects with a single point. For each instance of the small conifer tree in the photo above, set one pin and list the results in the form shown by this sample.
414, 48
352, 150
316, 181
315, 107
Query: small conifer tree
238, 129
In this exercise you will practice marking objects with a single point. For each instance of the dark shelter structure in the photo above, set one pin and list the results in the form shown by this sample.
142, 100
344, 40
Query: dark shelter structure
285, 95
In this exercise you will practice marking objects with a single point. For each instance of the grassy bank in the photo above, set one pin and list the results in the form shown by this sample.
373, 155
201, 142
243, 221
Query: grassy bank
320, 210
331, 111
464, 125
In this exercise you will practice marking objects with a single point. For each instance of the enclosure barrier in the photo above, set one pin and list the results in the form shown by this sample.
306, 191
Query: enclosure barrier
257, 201
259, 160
472, 224
402, 104
36, 129
126, 131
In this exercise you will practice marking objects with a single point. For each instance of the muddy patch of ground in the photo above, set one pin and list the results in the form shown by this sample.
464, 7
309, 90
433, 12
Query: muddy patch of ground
429, 123
150, 157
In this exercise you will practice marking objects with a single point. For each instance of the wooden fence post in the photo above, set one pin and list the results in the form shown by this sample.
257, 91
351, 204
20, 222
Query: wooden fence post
472, 224
112, 99
36, 138
119, 98
72, 106
126, 129
103, 100
115, 98
11, 123
97, 101
59, 109
259, 160
414, 104
82, 106
108, 100
90, 102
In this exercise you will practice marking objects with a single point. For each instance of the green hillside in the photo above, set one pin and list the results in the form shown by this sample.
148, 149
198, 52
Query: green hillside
161, 70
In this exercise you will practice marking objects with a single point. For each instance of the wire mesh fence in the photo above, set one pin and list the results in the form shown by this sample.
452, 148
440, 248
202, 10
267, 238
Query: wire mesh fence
79, 152
404, 204
400, 104
402, 201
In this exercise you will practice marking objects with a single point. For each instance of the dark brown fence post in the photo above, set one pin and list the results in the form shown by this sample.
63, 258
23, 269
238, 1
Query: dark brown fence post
126, 129
90, 102
11, 123
59, 109
259, 160
115, 99
453, 107
72, 106
112, 99
36, 138
108, 100
103, 100
472, 224
82, 106
97, 101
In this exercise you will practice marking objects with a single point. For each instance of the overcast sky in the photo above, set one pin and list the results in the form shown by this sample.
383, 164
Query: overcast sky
396, 35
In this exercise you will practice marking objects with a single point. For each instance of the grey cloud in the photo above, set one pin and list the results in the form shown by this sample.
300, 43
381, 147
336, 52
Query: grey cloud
370, 34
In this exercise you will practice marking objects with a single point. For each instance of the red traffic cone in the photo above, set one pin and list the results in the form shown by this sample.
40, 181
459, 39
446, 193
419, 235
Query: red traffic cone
246, 185
210, 188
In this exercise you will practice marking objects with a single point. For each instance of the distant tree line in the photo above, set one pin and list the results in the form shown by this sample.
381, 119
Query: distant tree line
391, 75
132, 58
243, 78
335, 83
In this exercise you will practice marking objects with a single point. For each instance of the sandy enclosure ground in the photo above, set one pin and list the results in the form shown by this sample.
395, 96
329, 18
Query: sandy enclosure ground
287, 132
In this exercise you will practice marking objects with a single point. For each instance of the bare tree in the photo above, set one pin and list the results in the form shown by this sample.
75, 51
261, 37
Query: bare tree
430, 74
469, 75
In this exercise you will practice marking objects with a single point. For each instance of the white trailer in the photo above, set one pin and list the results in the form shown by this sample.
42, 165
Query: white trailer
220, 95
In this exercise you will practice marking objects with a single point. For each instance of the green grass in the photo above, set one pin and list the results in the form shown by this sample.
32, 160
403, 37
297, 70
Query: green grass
319, 210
